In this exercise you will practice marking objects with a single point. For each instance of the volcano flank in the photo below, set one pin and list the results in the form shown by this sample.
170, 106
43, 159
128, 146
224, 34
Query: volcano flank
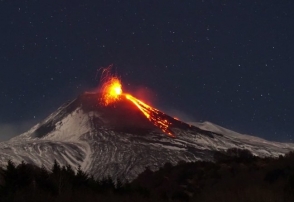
119, 140
121, 116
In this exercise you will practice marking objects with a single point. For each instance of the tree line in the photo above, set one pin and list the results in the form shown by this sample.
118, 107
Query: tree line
236, 175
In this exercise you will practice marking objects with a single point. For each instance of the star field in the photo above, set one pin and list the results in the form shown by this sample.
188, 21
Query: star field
226, 62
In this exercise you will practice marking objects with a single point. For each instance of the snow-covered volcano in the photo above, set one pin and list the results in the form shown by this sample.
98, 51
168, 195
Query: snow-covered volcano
118, 140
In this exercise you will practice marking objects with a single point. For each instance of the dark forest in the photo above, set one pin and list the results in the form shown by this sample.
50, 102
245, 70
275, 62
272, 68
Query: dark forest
236, 175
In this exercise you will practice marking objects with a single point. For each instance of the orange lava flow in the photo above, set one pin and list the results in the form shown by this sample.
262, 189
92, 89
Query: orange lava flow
112, 92
152, 115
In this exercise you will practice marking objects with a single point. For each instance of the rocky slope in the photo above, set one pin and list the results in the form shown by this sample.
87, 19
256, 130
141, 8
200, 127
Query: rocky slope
119, 141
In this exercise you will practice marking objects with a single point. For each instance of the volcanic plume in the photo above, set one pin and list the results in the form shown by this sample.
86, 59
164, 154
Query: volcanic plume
111, 88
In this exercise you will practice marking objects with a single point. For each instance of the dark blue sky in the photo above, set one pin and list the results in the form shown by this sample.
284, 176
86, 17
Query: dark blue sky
227, 62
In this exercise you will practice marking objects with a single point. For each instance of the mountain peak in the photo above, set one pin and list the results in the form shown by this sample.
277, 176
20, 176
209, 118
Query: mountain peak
85, 114
119, 140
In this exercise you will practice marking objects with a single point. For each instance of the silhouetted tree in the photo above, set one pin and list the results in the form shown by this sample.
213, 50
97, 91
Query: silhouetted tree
81, 179
25, 174
44, 182
10, 178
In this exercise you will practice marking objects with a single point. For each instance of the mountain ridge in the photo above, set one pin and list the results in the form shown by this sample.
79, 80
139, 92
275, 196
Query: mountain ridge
119, 141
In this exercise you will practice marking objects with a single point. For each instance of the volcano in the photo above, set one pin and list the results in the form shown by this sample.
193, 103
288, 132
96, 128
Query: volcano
118, 140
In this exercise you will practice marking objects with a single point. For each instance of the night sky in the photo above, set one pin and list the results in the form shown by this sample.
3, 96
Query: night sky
227, 62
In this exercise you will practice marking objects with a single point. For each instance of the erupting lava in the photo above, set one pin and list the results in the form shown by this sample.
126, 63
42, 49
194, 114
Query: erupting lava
112, 92
111, 87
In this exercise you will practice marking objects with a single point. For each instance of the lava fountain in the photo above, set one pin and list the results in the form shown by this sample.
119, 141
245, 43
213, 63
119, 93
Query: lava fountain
111, 89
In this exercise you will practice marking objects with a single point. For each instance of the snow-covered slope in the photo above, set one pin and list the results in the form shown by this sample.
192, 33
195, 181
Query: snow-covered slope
119, 141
